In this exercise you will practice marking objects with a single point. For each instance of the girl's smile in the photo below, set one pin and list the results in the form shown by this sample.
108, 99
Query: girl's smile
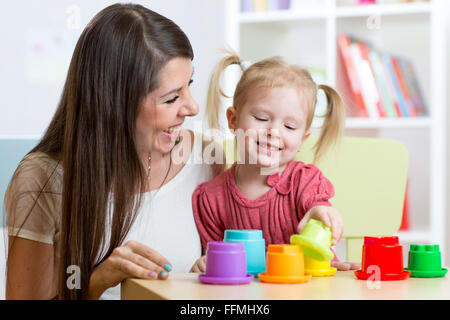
273, 122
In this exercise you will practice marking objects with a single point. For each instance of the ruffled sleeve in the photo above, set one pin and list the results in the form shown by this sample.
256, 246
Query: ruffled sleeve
206, 216
314, 189
33, 199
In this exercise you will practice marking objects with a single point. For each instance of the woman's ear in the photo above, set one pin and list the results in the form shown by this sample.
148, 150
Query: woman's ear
231, 116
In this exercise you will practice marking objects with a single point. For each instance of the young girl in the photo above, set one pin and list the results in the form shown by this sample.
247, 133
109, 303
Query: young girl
271, 116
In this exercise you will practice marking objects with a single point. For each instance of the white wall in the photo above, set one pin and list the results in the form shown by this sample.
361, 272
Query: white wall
30, 85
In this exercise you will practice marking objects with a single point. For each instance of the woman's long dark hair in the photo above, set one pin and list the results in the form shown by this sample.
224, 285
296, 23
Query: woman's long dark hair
114, 66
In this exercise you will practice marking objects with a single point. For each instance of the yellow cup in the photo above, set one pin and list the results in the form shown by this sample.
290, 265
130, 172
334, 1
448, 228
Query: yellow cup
318, 268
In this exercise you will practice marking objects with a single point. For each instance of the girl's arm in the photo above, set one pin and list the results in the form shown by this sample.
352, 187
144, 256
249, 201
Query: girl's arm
29, 270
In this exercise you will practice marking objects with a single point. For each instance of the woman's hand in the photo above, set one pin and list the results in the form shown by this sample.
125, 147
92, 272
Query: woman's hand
199, 265
132, 260
329, 216
345, 266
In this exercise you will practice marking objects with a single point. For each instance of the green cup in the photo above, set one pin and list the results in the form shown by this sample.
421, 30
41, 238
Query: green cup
424, 261
315, 240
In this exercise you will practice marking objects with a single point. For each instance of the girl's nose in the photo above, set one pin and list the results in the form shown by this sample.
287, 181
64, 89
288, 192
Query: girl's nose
273, 132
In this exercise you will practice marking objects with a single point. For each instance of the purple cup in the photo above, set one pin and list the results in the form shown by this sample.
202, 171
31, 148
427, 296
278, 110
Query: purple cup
225, 264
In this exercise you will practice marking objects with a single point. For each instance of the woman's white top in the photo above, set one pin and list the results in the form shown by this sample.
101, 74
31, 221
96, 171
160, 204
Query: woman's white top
164, 223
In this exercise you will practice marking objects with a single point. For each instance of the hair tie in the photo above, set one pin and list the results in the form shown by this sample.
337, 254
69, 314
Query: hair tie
245, 65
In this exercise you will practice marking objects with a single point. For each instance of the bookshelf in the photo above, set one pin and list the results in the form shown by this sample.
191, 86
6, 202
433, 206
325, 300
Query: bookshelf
307, 36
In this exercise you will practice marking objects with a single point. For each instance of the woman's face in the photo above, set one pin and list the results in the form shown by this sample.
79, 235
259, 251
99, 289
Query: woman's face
162, 112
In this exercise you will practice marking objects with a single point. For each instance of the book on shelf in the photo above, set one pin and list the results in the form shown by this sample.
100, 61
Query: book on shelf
349, 85
377, 84
390, 86
412, 84
387, 59
404, 90
382, 84
364, 77
264, 5
371, 79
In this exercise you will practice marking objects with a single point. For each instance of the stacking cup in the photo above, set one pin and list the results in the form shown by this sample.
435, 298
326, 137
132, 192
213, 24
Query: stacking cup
225, 264
319, 268
315, 240
254, 245
285, 264
424, 261
383, 255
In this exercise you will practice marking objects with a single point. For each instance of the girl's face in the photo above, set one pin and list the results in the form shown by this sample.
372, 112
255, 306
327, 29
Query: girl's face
162, 112
273, 121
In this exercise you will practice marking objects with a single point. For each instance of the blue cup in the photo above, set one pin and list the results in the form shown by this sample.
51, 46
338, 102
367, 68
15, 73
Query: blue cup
254, 245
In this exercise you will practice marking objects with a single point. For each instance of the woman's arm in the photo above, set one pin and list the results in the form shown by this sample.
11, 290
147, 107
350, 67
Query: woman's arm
29, 270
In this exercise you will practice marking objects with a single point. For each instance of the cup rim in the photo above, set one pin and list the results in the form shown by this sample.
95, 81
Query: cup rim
323, 251
204, 278
322, 272
265, 277
432, 273
360, 274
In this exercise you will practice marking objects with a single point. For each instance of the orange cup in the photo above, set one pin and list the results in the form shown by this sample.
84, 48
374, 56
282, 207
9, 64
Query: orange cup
285, 264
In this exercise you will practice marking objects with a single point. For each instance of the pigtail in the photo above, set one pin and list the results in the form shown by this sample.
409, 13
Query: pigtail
215, 91
333, 124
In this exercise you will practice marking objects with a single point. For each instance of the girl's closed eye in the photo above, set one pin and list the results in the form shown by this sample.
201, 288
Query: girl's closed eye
260, 119
290, 127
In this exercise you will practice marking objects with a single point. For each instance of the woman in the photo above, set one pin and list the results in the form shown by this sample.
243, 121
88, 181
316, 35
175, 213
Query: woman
100, 199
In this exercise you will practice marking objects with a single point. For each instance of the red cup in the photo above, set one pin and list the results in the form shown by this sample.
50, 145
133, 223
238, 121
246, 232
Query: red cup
382, 259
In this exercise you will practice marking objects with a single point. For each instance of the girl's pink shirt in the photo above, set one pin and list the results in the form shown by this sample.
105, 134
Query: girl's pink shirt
219, 205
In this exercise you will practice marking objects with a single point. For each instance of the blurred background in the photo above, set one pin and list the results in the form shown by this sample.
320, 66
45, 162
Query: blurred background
387, 58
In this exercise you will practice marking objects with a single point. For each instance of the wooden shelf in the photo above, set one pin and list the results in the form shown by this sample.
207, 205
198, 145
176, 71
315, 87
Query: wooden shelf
419, 236
383, 9
312, 13
366, 123
282, 15
361, 123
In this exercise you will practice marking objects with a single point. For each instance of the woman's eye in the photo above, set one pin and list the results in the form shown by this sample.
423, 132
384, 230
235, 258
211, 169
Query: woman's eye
190, 82
172, 100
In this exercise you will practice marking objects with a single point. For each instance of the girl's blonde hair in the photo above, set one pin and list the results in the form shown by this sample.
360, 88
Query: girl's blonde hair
274, 72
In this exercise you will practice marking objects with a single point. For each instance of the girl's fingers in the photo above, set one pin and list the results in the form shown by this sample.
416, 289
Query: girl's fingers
345, 266
341, 266
302, 224
202, 265
322, 214
195, 268
337, 231
355, 266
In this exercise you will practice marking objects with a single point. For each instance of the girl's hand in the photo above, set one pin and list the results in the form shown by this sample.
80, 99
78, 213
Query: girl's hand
345, 266
133, 260
199, 265
329, 216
